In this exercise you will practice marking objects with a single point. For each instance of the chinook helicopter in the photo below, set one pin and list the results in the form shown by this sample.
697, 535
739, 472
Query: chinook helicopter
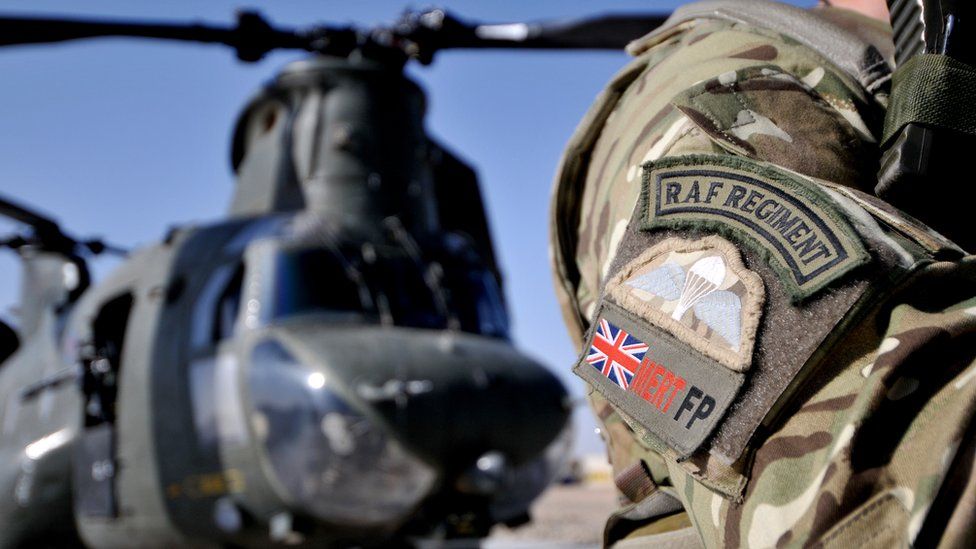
331, 365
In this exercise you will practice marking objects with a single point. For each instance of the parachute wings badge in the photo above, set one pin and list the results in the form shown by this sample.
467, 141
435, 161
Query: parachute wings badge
697, 291
700, 292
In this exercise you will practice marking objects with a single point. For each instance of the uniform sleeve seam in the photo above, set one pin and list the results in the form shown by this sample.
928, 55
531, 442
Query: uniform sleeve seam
858, 517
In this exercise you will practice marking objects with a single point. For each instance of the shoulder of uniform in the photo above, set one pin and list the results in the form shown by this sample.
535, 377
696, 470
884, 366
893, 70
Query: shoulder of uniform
853, 46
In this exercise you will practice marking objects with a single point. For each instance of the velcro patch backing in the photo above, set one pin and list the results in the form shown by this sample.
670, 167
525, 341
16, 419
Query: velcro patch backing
779, 214
675, 392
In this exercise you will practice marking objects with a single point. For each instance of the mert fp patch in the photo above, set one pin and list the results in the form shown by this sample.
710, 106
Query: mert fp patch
781, 215
673, 391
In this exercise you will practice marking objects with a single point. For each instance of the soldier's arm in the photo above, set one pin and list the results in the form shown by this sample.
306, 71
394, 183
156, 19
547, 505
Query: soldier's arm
791, 434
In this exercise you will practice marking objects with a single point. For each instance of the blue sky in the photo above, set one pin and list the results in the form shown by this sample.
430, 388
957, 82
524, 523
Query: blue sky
124, 138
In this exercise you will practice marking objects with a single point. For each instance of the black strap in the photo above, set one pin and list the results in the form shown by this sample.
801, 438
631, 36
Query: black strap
935, 91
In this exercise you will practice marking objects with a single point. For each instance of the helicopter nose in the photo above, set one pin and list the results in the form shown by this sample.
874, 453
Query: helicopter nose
449, 397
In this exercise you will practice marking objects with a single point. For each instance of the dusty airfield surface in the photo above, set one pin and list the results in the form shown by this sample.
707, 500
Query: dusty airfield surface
565, 516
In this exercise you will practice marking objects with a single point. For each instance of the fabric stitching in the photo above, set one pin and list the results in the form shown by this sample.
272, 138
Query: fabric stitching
858, 517
738, 97
708, 112
684, 133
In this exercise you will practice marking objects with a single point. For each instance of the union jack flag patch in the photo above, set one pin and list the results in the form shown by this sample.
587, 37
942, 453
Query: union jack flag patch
615, 353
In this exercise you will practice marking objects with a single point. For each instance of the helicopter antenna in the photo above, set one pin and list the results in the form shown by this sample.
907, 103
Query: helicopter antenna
417, 35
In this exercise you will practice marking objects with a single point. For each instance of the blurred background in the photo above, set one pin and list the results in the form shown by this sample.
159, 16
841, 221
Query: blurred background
124, 138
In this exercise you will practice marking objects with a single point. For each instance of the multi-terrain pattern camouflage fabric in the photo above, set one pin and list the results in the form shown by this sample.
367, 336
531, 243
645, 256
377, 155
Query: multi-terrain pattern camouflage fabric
878, 450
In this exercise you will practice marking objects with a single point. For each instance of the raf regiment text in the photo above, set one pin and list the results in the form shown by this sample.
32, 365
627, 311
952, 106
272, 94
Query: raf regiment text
792, 228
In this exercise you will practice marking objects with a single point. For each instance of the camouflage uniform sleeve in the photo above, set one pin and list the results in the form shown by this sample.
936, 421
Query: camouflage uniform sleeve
879, 448
881, 453
788, 107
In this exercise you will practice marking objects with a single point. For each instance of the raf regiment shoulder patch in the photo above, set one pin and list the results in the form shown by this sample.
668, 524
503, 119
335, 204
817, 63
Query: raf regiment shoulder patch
782, 215
714, 300
715, 309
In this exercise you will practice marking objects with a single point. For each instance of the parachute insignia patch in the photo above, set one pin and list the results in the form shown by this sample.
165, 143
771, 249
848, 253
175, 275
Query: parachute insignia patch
700, 292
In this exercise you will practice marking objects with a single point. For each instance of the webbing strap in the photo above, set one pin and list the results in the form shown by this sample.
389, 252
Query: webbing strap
635, 482
844, 49
932, 90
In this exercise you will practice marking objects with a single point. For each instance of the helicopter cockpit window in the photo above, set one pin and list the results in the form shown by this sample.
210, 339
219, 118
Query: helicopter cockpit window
480, 306
314, 280
474, 296
99, 383
389, 288
381, 282
228, 305
215, 307
401, 291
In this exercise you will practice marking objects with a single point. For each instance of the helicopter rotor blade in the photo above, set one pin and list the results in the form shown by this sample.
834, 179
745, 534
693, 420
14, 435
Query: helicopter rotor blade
425, 33
417, 34
46, 231
42, 225
611, 32
48, 234
252, 37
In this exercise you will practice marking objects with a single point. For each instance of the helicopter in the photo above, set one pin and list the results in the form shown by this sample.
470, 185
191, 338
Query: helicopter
331, 364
